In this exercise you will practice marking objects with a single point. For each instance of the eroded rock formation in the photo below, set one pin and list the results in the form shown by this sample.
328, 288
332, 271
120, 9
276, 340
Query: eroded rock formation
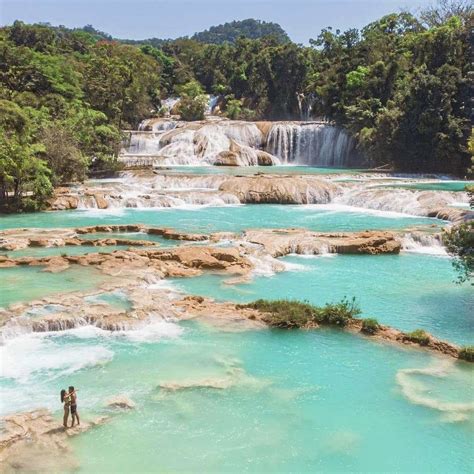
36, 442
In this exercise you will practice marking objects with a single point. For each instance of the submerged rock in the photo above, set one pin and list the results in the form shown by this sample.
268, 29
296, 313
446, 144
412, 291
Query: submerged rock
120, 401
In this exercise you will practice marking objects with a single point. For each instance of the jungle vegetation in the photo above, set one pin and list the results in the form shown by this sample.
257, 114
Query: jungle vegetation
402, 86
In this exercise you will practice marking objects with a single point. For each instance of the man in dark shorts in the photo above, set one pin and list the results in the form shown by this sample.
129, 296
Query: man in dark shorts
73, 407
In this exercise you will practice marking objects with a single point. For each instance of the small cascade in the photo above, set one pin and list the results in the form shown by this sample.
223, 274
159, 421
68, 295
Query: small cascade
168, 104
305, 105
159, 192
211, 105
421, 242
312, 144
417, 203
146, 141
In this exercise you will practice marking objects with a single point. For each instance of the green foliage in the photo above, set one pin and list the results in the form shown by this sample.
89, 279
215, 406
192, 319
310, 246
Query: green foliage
467, 353
401, 88
191, 89
193, 102
401, 85
250, 28
295, 314
235, 110
63, 155
357, 77
370, 326
24, 177
192, 109
419, 336
64, 96
459, 242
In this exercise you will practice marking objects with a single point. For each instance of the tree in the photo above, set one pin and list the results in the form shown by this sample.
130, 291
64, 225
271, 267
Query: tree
250, 28
438, 14
63, 156
193, 102
122, 82
459, 242
24, 177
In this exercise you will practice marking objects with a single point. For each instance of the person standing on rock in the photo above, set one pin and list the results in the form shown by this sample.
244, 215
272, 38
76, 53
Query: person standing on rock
73, 397
66, 400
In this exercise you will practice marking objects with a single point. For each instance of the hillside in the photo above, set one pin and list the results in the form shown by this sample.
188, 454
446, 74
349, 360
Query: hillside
250, 28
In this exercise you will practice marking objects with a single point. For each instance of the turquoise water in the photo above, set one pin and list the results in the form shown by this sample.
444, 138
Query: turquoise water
432, 186
321, 401
407, 291
228, 218
131, 236
22, 284
116, 299
256, 400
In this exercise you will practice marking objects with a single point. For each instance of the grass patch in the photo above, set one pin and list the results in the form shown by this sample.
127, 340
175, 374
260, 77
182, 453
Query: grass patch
467, 353
370, 326
296, 314
419, 336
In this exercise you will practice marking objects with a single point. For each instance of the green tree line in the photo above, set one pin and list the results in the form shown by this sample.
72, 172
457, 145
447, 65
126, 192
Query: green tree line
401, 85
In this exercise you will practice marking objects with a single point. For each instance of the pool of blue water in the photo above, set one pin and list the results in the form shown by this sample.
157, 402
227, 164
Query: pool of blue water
228, 218
407, 291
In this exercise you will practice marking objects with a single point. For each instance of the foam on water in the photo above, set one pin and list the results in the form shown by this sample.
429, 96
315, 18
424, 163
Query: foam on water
150, 331
344, 208
37, 354
419, 393
423, 243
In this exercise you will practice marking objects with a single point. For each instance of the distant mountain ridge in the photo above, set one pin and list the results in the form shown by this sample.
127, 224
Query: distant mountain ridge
225, 33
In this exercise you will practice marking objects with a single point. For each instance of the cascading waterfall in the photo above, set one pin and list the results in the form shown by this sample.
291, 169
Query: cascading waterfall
168, 142
312, 144
146, 141
239, 143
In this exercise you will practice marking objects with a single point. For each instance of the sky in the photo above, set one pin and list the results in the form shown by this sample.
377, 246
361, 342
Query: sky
140, 19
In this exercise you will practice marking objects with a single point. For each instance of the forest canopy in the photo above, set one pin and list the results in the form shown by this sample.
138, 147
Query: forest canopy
402, 86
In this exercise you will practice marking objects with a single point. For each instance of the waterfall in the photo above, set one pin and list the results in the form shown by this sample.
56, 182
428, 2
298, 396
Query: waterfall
221, 142
422, 242
169, 104
146, 141
312, 144
238, 143
305, 105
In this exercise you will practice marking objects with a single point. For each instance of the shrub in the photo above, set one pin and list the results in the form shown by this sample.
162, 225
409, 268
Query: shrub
285, 313
419, 336
297, 314
370, 326
191, 109
338, 313
193, 102
467, 353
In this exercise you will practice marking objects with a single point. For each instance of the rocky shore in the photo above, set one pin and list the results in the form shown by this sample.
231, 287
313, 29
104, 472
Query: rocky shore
37, 442
150, 304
